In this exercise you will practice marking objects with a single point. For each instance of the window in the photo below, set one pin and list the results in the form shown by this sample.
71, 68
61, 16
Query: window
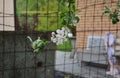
95, 43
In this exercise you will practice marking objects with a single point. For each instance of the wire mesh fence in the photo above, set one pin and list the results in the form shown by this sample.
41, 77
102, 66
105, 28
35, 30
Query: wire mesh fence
87, 58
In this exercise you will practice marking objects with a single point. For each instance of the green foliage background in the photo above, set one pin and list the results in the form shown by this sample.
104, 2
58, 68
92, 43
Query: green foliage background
46, 11
50, 14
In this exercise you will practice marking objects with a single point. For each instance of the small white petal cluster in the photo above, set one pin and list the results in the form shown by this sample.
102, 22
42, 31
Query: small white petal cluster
60, 36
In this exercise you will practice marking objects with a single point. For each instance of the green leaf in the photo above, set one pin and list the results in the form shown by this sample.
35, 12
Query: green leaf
38, 45
36, 50
116, 12
115, 20
106, 10
30, 39
77, 18
110, 16
72, 1
34, 44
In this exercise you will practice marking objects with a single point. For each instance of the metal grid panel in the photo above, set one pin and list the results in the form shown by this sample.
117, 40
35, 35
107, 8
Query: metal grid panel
13, 52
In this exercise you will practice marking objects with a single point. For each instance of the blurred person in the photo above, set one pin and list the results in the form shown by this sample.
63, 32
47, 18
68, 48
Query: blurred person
110, 43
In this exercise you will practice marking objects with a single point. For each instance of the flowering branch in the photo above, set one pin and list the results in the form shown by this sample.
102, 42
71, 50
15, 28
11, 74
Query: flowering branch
68, 20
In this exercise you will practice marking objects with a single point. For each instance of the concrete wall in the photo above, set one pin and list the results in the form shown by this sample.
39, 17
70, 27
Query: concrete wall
92, 22
6, 15
17, 59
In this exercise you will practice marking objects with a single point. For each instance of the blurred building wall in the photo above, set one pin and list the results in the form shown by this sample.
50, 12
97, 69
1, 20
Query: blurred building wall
6, 15
92, 21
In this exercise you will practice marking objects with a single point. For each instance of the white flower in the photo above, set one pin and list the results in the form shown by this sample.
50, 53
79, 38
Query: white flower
53, 33
65, 39
61, 35
58, 36
70, 35
53, 40
58, 31
60, 41
67, 31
